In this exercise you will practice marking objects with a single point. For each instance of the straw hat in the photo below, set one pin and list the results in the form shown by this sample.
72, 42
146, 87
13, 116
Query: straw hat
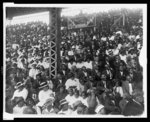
19, 84
63, 102
43, 85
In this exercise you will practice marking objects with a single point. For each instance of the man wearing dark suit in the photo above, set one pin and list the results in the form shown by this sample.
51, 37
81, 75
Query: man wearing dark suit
64, 71
59, 80
109, 72
121, 74
103, 85
132, 107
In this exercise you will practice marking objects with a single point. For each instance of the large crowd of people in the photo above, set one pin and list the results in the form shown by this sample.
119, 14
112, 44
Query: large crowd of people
99, 73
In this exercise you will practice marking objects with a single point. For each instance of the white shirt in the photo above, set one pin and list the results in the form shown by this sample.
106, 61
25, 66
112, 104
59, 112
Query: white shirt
45, 65
61, 53
71, 65
119, 46
44, 96
23, 93
70, 99
50, 84
79, 65
120, 91
130, 89
74, 82
18, 110
137, 37
88, 65
70, 53
81, 88
138, 45
112, 38
124, 58
115, 52
103, 38
77, 99
33, 73
77, 47
20, 65
132, 37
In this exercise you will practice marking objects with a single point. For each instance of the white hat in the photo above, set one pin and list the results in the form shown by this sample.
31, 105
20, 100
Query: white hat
34, 63
99, 108
119, 32
43, 84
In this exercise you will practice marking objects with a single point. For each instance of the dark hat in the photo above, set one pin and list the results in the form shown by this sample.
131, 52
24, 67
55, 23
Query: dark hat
43, 85
131, 49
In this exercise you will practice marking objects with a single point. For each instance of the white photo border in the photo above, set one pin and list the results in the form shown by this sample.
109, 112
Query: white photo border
7, 116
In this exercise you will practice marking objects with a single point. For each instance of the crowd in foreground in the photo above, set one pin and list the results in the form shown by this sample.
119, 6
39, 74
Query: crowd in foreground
100, 72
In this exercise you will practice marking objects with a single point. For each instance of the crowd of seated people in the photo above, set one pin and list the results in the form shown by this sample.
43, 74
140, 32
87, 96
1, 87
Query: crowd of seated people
100, 72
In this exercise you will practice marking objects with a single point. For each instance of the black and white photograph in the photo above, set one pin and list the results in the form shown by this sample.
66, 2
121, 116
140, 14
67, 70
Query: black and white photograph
74, 61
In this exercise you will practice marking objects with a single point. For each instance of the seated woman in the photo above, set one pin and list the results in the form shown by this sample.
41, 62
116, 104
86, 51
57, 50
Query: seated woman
84, 98
70, 97
61, 94
109, 103
64, 108
127, 87
44, 94
20, 91
77, 99
19, 105
48, 107
32, 104
92, 101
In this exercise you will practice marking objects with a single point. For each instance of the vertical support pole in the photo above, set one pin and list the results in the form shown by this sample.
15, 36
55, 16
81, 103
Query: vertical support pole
58, 42
55, 36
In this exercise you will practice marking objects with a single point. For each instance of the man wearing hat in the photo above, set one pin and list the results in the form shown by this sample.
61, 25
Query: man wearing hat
48, 107
72, 82
33, 71
19, 105
20, 91
44, 94
64, 108
61, 94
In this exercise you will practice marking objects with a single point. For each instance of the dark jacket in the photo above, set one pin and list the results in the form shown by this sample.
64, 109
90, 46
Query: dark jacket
57, 83
101, 88
120, 77
59, 96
